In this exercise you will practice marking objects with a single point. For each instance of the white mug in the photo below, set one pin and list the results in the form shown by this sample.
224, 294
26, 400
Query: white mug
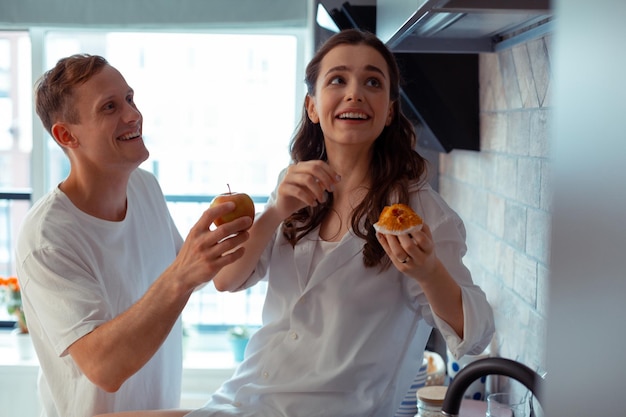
476, 390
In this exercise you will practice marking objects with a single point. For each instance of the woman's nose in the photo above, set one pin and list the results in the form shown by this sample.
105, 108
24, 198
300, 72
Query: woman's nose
354, 94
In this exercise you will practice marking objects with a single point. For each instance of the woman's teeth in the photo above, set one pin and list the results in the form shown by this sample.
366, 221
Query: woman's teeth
353, 116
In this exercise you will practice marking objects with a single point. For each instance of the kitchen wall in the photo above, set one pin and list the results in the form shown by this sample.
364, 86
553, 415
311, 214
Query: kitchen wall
503, 193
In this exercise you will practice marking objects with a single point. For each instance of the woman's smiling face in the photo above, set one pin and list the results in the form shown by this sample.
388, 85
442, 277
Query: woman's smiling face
352, 101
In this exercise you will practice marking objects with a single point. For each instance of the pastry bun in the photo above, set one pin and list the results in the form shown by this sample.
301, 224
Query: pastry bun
398, 219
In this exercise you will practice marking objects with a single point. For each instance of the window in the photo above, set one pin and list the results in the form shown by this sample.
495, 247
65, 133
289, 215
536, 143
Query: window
15, 143
219, 110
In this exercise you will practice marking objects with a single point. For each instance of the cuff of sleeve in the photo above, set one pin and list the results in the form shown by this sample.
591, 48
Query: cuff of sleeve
454, 343
477, 332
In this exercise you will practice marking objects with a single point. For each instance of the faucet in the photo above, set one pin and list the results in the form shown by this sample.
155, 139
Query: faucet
484, 367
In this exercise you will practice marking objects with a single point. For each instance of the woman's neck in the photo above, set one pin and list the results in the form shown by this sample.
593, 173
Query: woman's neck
348, 194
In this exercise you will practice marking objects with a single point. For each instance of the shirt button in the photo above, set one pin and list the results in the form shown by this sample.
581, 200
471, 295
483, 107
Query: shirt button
266, 374
237, 404
294, 336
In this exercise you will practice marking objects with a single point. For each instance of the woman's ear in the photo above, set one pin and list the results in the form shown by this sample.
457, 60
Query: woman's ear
309, 102
63, 136
390, 114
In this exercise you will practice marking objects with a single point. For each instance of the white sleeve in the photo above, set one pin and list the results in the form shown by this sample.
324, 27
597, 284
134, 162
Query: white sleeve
449, 237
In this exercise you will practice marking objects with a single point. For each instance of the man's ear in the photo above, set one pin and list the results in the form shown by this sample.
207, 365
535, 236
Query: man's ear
63, 135
310, 109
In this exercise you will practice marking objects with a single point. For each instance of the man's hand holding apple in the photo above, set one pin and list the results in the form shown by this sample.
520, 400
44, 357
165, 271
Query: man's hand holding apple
244, 206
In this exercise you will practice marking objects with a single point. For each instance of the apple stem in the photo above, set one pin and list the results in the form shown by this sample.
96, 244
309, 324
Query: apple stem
229, 192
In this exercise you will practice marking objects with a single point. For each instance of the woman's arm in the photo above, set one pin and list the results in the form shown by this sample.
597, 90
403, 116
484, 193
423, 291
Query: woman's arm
414, 255
233, 276
300, 185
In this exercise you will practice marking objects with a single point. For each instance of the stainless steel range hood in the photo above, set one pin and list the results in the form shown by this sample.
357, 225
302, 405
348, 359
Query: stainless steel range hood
460, 26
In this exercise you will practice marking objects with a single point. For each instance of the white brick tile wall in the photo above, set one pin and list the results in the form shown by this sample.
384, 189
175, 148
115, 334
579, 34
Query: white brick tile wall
504, 195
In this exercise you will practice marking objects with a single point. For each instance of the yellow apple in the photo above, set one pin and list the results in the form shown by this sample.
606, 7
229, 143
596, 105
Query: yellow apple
244, 206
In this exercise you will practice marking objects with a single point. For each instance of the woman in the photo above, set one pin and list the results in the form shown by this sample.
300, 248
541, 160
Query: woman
348, 311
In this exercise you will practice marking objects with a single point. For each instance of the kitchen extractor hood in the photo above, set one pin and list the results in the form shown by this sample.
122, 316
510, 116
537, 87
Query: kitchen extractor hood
460, 26
439, 93
436, 43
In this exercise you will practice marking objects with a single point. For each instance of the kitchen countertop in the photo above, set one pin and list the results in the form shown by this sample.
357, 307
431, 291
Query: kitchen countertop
206, 365
196, 363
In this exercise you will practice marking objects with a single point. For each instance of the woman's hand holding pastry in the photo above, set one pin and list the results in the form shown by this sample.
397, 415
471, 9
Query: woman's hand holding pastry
412, 253
407, 241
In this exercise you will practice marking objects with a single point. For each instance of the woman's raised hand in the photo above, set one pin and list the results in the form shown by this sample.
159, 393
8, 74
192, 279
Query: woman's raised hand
305, 184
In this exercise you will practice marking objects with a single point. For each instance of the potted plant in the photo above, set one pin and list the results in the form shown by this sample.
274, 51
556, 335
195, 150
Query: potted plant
13, 300
11, 293
238, 337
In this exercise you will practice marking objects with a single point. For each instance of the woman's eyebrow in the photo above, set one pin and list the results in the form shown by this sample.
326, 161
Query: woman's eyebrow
336, 69
372, 68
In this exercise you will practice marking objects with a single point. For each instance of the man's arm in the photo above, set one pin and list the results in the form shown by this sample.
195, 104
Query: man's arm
116, 350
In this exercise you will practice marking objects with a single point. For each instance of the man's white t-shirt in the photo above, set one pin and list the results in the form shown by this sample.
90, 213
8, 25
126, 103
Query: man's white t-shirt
78, 272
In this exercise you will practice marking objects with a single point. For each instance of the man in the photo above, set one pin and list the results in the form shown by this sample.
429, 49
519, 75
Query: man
104, 272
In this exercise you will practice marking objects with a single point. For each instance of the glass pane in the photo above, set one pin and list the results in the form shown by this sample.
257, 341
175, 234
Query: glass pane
219, 110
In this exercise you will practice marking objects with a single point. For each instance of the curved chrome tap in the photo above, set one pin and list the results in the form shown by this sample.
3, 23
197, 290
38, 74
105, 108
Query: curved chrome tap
484, 367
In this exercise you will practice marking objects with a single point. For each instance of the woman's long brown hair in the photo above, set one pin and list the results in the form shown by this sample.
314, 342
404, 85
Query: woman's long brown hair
395, 161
